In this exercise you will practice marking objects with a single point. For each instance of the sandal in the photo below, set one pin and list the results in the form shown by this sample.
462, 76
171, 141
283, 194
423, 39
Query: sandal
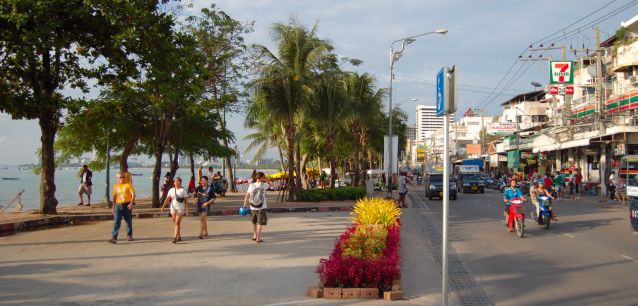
254, 239
174, 240
259, 241
129, 238
179, 238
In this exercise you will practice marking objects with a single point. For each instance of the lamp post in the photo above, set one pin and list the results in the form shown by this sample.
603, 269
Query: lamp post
394, 57
107, 197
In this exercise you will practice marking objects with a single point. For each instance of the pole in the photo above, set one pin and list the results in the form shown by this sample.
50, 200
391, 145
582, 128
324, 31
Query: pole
108, 166
446, 203
388, 175
224, 123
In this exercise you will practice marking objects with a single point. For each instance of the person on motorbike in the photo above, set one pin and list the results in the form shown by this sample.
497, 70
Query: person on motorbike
511, 193
542, 192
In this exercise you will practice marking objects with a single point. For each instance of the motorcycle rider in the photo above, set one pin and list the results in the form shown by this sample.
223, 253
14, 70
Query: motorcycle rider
511, 193
537, 193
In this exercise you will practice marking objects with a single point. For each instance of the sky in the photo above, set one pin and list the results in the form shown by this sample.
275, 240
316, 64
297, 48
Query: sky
485, 39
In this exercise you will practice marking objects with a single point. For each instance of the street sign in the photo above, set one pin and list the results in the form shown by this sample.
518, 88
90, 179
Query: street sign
441, 94
446, 89
561, 72
561, 90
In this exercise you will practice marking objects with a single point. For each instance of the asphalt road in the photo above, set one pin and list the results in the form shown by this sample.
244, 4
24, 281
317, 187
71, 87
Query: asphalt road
588, 257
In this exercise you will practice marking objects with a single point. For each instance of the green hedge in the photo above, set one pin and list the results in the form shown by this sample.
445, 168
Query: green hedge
336, 194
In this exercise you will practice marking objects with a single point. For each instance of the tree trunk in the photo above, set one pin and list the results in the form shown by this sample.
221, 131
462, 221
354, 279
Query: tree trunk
193, 168
281, 158
290, 138
364, 152
175, 163
304, 161
331, 157
132, 141
157, 172
48, 127
355, 163
299, 177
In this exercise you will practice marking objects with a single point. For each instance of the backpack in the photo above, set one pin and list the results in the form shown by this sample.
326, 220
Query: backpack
257, 197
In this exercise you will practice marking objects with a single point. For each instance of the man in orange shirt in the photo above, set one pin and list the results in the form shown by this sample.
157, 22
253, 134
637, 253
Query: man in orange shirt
123, 201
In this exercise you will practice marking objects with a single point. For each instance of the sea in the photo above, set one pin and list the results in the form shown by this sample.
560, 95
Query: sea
67, 181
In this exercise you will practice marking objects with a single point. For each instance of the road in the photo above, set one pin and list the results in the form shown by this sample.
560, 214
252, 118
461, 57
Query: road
588, 257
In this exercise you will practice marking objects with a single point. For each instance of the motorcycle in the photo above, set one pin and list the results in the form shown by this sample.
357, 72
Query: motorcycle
544, 205
516, 213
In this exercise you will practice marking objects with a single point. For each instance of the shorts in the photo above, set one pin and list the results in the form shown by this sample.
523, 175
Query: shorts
202, 209
85, 189
259, 216
402, 194
180, 209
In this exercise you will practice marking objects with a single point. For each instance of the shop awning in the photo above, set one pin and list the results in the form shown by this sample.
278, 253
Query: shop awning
563, 145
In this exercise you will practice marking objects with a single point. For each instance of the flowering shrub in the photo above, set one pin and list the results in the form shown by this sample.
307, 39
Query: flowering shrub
376, 211
367, 242
345, 270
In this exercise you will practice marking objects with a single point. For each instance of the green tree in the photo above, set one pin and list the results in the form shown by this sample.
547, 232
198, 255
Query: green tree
49, 45
220, 40
283, 84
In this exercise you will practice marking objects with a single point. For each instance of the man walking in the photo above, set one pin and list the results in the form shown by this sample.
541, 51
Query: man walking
256, 197
85, 185
123, 201
403, 188
612, 185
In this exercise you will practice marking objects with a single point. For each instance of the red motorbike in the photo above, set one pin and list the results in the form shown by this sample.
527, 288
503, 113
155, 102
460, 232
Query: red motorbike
515, 217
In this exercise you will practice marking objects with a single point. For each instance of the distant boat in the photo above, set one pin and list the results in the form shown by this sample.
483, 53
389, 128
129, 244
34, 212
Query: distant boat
10, 178
137, 174
4, 168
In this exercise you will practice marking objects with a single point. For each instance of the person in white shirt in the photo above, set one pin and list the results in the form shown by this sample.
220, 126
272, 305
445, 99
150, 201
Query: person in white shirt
403, 188
613, 182
178, 197
256, 197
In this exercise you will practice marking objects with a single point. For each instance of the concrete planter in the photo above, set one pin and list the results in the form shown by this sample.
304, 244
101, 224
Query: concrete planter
332, 293
351, 293
370, 293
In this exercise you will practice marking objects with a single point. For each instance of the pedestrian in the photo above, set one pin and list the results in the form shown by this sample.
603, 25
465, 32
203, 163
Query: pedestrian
256, 197
205, 198
323, 179
191, 185
559, 181
178, 197
612, 183
571, 183
85, 185
403, 188
123, 202
547, 181
164, 189
210, 174
621, 191
578, 179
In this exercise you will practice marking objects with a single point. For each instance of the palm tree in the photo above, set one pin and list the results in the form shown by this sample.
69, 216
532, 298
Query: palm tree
283, 83
327, 111
364, 105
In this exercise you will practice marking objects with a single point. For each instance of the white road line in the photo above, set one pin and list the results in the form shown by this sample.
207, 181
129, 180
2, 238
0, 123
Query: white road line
629, 258
568, 235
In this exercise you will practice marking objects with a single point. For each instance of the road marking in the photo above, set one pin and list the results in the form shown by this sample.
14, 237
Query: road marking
629, 258
568, 235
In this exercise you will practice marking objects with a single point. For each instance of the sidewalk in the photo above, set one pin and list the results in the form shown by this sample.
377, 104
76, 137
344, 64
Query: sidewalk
14, 222
76, 265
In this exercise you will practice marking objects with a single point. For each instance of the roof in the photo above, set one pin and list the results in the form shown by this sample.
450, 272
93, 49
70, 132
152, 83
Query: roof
609, 42
536, 95
469, 113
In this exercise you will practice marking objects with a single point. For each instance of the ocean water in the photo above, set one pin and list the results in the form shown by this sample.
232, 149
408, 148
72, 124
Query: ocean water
67, 181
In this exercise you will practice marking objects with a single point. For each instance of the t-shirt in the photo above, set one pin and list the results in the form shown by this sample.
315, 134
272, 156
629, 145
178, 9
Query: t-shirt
204, 195
181, 193
252, 187
123, 193
559, 180
402, 184
547, 182
510, 194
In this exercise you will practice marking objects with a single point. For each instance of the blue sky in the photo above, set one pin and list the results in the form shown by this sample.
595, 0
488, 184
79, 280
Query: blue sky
484, 40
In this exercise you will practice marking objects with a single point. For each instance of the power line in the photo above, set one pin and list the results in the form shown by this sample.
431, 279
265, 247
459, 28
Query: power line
461, 87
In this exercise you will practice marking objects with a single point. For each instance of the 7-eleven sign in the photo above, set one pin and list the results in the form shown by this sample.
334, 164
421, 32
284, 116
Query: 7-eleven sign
561, 72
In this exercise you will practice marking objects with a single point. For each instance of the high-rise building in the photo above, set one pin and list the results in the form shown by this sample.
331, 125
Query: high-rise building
427, 121
410, 133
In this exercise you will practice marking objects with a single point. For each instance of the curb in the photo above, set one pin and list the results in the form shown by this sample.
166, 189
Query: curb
8, 229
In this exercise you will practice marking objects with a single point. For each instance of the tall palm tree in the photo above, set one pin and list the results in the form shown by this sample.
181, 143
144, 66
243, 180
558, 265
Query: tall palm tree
328, 109
363, 107
283, 83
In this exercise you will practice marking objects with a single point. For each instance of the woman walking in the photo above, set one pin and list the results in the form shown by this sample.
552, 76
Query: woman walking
205, 198
178, 197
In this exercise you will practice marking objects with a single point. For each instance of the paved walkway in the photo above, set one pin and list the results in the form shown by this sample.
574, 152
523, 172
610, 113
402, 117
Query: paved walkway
75, 264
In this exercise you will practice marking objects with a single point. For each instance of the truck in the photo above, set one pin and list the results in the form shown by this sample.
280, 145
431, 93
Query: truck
434, 182
469, 178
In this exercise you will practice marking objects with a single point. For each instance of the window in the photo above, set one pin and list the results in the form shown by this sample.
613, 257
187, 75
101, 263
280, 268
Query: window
519, 119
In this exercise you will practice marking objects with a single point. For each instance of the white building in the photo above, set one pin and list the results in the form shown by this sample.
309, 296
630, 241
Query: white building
411, 132
427, 122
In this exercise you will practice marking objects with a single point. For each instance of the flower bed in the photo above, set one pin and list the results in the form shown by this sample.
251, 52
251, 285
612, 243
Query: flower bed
366, 255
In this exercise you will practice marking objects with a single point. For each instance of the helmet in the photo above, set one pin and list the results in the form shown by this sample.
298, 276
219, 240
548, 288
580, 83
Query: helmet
243, 210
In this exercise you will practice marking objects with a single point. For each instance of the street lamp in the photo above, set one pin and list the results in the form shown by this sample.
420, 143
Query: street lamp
108, 166
394, 57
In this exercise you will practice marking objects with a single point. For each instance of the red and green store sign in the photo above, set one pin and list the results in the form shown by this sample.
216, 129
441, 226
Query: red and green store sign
622, 103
